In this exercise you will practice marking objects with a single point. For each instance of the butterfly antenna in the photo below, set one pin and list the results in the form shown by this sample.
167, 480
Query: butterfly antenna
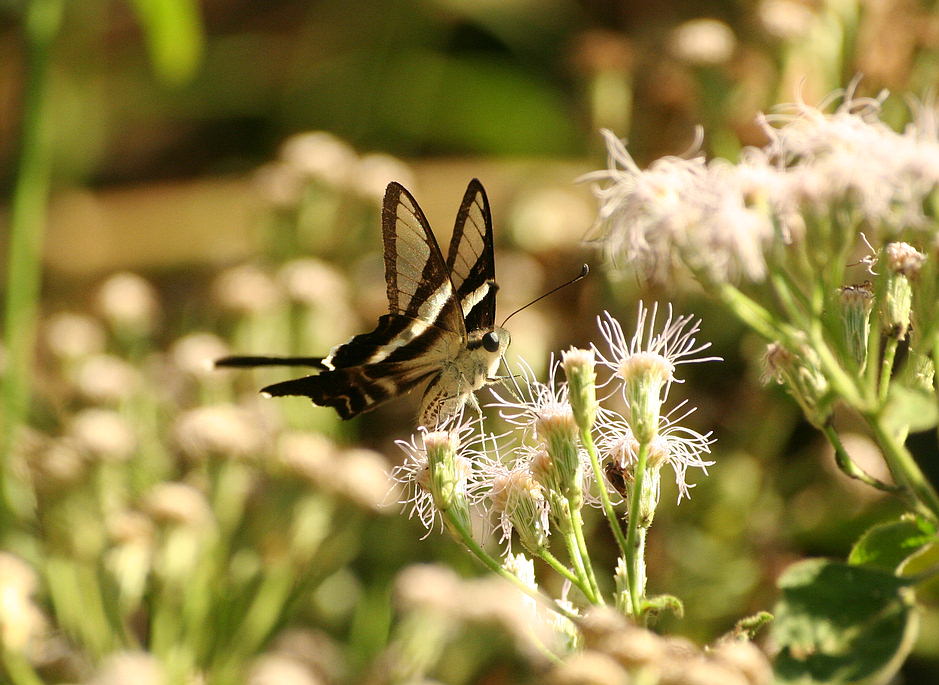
583, 274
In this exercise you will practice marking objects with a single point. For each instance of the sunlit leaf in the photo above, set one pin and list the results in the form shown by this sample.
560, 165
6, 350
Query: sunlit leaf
887, 545
838, 623
910, 409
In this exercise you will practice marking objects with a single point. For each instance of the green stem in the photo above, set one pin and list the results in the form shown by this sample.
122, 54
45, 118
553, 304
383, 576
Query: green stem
578, 522
573, 551
905, 470
27, 220
871, 369
848, 466
752, 314
935, 379
634, 546
493, 565
18, 669
842, 383
586, 438
886, 367
560, 568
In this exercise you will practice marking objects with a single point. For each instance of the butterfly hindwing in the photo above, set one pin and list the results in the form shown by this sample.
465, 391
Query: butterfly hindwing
351, 391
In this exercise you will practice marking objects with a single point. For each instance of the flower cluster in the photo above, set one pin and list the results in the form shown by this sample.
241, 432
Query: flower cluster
566, 450
724, 220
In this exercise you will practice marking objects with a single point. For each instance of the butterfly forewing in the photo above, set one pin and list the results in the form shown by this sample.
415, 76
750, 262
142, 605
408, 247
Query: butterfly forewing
417, 278
471, 262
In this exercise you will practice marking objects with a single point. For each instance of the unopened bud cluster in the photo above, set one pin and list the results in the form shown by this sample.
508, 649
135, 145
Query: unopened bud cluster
798, 371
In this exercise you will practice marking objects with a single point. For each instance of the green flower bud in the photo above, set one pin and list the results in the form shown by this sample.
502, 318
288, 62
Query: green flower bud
799, 372
557, 429
448, 477
645, 375
857, 301
903, 265
580, 369
519, 498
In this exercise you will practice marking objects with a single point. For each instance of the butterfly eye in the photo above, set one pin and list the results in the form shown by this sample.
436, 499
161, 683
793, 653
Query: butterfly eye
491, 342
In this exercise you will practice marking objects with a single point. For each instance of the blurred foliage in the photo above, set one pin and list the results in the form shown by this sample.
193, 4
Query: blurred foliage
421, 80
433, 77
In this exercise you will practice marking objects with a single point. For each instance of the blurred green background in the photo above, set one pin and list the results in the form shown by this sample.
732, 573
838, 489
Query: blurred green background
168, 121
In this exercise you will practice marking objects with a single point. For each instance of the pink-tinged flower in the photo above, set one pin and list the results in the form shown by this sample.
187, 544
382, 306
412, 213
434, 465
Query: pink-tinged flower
674, 444
682, 209
849, 154
436, 473
532, 405
517, 500
646, 363
726, 220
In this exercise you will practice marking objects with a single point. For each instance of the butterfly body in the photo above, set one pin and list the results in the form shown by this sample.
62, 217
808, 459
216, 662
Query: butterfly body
439, 330
471, 369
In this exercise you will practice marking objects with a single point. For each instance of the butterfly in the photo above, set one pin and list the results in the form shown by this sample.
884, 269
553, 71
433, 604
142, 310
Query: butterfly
440, 327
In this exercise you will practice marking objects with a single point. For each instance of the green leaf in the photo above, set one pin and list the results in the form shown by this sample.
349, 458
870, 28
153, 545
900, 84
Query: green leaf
837, 623
910, 409
887, 545
173, 29
660, 603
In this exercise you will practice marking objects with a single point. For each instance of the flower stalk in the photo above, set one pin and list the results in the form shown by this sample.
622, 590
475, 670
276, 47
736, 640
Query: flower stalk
27, 224
636, 535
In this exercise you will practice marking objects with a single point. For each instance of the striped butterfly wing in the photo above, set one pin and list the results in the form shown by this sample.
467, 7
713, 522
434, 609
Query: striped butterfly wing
471, 262
423, 330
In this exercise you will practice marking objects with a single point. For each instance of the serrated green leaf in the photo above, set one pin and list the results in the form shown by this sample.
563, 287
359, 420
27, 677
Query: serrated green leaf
887, 545
838, 623
910, 409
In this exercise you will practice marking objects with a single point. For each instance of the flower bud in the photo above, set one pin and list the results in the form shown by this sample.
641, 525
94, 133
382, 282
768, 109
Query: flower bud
645, 376
903, 258
129, 667
856, 304
580, 369
129, 303
621, 580
72, 336
557, 429
449, 473
519, 497
649, 497
800, 374
920, 370
588, 668
903, 265
20, 619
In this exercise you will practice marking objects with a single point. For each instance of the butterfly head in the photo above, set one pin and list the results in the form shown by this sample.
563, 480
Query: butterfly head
494, 342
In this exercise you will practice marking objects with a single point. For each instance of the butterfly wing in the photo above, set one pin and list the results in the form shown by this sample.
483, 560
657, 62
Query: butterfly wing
471, 262
423, 330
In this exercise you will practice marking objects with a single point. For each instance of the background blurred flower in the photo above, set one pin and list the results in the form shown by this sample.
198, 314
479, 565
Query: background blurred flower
103, 434
128, 301
245, 289
219, 431
21, 622
70, 335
